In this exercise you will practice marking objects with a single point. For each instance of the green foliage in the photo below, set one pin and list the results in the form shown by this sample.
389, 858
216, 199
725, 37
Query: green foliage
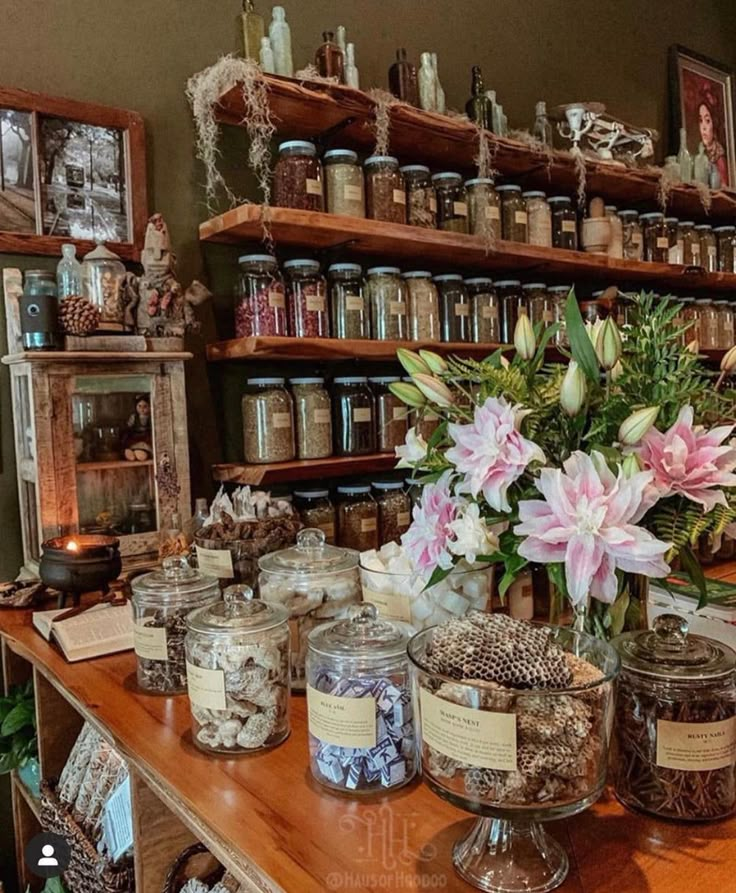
581, 347
17, 728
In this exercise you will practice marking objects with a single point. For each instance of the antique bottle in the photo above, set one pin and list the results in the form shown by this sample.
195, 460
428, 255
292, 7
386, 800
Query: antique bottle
502, 123
402, 79
427, 84
280, 35
253, 31
476, 107
684, 158
714, 177
352, 75
265, 55
341, 38
68, 273
701, 166
440, 102
542, 129
329, 58
492, 110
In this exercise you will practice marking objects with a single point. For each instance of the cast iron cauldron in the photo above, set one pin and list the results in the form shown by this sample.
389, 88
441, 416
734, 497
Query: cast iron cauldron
88, 568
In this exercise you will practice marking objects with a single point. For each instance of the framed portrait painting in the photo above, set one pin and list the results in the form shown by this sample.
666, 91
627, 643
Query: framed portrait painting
701, 102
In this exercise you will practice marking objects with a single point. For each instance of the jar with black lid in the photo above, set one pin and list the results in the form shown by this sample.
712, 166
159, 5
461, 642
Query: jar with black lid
725, 239
633, 238
564, 222
454, 307
484, 315
514, 219
354, 416
421, 204
392, 415
484, 208
297, 181
656, 237
510, 299
708, 247
350, 311
452, 202
384, 189
306, 291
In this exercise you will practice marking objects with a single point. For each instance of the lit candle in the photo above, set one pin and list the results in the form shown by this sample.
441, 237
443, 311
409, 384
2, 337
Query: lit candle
72, 546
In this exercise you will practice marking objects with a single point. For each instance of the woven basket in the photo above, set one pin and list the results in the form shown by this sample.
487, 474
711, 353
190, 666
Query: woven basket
88, 871
195, 861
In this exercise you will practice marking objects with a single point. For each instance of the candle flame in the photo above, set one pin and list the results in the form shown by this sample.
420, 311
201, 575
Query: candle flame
72, 546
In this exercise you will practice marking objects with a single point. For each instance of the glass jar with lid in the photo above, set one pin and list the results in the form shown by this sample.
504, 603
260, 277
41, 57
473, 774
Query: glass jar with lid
102, 283
306, 292
315, 582
384, 189
357, 518
350, 311
708, 247
260, 301
424, 306
392, 415
484, 208
454, 307
514, 220
675, 709
354, 416
362, 738
394, 510
312, 417
452, 202
616, 245
656, 237
676, 249
540, 305
421, 204
690, 243
564, 222
726, 338
297, 180
238, 673
484, 315
708, 336
268, 422
510, 300
344, 186
317, 511
631, 233
689, 317
539, 218
161, 601
725, 240
387, 295
558, 295
413, 490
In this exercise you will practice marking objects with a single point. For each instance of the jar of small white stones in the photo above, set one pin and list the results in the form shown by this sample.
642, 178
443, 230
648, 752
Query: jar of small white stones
238, 673
161, 601
362, 738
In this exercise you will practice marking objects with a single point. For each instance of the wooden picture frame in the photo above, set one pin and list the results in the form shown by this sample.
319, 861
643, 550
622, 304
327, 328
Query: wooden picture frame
27, 225
702, 101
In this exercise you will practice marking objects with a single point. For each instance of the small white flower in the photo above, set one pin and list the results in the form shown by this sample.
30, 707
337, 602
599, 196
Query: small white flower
472, 537
413, 451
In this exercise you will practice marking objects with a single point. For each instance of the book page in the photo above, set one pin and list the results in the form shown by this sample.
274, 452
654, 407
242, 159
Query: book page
98, 631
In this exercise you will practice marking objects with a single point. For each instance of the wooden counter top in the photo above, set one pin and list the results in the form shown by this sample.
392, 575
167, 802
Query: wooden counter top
265, 818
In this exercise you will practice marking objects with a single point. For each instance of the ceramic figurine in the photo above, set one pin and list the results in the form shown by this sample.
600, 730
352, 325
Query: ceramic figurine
352, 75
280, 34
684, 158
427, 84
542, 129
440, 102
701, 166
268, 63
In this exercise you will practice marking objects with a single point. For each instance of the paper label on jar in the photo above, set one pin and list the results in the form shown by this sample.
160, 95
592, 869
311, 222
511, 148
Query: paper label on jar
390, 605
460, 209
479, 738
362, 414
462, 309
354, 302
712, 251
149, 642
314, 187
569, 226
399, 197
637, 239
433, 204
322, 417
493, 213
400, 413
663, 242
342, 722
316, 303
215, 562
206, 688
397, 308
489, 312
520, 217
276, 300
547, 316
695, 249
403, 519
696, 746
281, 419
352, 193
368, 525
328, 530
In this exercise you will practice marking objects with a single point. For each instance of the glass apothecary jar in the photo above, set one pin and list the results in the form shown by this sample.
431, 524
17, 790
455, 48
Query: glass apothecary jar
362, 738
675, 709
452, 202
297, 181
484, 208
260, 307
387, 295
350, 311
384, 189
317, 511
726, 337
689, 316
558, 294
539, 218
344, 184
676, 250
708, 335
354, 415
454, 307
312, 417
484, 315
690, 243
102, 280
306, 292
510, 300
394, 510
424, 306
421, 204
413, 491
357, 518
564, 222
314, 582
268, 422
708, 247
161, 601
633, 238
539, 304
514, 219
392, 416
656, 237
238, 674
725, 240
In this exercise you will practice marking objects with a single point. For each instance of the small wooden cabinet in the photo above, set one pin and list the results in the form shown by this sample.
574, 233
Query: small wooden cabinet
86, 463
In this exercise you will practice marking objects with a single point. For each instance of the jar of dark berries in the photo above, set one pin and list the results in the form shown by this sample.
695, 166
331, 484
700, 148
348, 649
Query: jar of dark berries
297, 181
306, 293
261, 303
384, 189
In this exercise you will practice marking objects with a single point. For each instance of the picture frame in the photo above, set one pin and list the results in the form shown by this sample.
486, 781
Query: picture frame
70, 171
702, 101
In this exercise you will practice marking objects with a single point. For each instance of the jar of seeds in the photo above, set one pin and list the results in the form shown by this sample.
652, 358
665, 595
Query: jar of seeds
387, 294
313, 417
392, 416
306, 292
484, 316
316, 511
452, 202
539, 217
514, 219
384, 189
268, 422
344, 183
564, 222
421, 203
454, 307
161, 601
297, 181
354, 415
424, 307
708, 247
350, 311
260, 303
484, 208
633, 238
357, 518
394, 510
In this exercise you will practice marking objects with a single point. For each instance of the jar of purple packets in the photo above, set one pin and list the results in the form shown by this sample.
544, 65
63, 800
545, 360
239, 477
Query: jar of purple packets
260, 307
362, 738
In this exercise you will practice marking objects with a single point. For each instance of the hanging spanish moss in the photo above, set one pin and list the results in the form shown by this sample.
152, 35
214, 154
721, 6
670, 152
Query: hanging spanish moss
706, 196
536, 146
579, 160
383, 102
487, 148
664, 186
310, 73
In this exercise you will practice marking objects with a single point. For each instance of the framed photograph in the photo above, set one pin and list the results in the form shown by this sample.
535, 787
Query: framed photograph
70, 172
701, 101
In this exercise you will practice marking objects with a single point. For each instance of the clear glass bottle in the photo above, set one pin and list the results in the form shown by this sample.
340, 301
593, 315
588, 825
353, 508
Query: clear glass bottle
354, 416
268, 422
616, 245
357, 518
510, 299
690, 243
424, 306
312, 417
676, 249
633, 238
394, 510
306, 293
392, 416
260, 307
384, 189
539, 218
484, 208
725, 240
317, 511
68, 273
656, 237
708, 247
564, 222
454, 307
514, 219
297, 180
350, 310
452, 202
330, 59
344, 185
387, 295
558, 295
421, 202
484, 314
402, 79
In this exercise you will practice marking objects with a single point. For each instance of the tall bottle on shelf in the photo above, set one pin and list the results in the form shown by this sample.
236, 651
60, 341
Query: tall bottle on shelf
329, 58
542, 129
341, 38
402, 79
254, 29
352, 75
440, 102
68, 273
427, 84
492, 110
266, 57
477, 107
279, 33
701, 166
684, 158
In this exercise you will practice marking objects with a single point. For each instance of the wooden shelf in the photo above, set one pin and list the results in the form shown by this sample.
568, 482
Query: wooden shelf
33, 804
93, 356
112, 466
442, 251
304, 469
307, 109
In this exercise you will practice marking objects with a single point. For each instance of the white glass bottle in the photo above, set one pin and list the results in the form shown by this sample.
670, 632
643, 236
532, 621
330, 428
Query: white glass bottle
268, 63
684, 158
427, 84
68, 273
701, 166
280, 34
352, 75
440, 101
341, 38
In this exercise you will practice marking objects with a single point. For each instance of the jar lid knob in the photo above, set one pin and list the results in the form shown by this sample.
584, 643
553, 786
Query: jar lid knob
671, 632
177, 567
236, 595
310, 538
364, 614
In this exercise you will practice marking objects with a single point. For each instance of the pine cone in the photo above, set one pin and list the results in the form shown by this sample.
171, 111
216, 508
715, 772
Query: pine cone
77, 316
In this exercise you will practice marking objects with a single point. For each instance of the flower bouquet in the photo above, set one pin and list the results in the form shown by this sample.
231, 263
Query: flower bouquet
604, 470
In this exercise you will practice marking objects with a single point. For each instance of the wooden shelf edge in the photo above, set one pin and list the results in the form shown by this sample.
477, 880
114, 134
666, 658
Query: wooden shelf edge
303, 470
112, 466
92, 356
33, 804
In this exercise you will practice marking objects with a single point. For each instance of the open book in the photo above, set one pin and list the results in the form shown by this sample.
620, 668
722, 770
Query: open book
101, 630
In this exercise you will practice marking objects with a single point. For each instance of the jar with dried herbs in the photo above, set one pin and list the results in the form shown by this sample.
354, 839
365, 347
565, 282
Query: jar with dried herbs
354, 416
724, 309
725, 240
313, 417
690, 243
392, 415
350, 311
413, 490
426, 421
357, 518
452, 202
297, 181
306, 292
424, 306
484, 208
708, 337
394, 510
421, 203
676, 252
656, 237
633, 239
708, 247
510, 299
564, 222
454, 307
384, 189
387, 294
558, 294
344, 183
484, 315
514, 218
268, 422
260, 303
317, 511
541, 307
539, 218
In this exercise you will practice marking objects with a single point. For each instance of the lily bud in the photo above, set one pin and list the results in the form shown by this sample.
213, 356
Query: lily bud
572, 392
617, 371
524, 340
433, 389
407, 393
434, 361
728, 363
608, 344
637, 425
412, 362
630, 466
504, 362
693, 346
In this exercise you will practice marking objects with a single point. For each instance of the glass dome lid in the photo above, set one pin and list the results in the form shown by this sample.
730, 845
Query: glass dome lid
238, 613
177, 580
311, 555
361, 634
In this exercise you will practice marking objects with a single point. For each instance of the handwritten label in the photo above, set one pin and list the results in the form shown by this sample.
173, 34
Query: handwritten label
354, 302
314, 187
695, 249
569, 226
206, 687
353, 193
362, 414
215, 562
433, 204
712, 251
281, 419
322, 417
328, 529
149, 642
399, 197
389, 605
520, 217
276, 300
696, 746
460, 209
368, 525
397, 308
462, 309
547, 316
343, 722
663, 242
637, 239
493, 213
403, 519
489, 312
315, 303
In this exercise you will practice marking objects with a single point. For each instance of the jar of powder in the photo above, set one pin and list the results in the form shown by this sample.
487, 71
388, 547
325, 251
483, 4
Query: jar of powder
387, 295
354, 416
350, 310
313, 418
452, 202
421, 203
261, 304
514, 219
484, 208
454, 307
297, 181
306, 291
268, 422
357, 518
344, 183
384, 189
424, 308
539, 218
392, 415
484, 316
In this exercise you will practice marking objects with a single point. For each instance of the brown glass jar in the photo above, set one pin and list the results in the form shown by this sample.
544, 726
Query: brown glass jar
514, 220
384, 189
484, 315
357, 518
297, 181
452, 202
392, 416
421, 204
656, 238
330, 59
454, 307
564, 222
354, 416
511, 301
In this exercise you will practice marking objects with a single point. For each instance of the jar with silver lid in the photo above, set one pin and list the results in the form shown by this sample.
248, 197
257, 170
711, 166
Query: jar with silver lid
312, 418
726, 337
676, 249
690, 243
317, 511
354, 416
540, 305
708, 247
344, 184
394, 510
348, 304
564, 222
558, 295
454, 307
452, 202
421, 203
357, 518
510, 300
484, 315
391, 414
484, 208
387, 294
260, 305
297, 180
656, 237
514, 219
268, 422
384, 189
633, 239
539, 215
726, 240
306, 292
708, 336
424, 307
